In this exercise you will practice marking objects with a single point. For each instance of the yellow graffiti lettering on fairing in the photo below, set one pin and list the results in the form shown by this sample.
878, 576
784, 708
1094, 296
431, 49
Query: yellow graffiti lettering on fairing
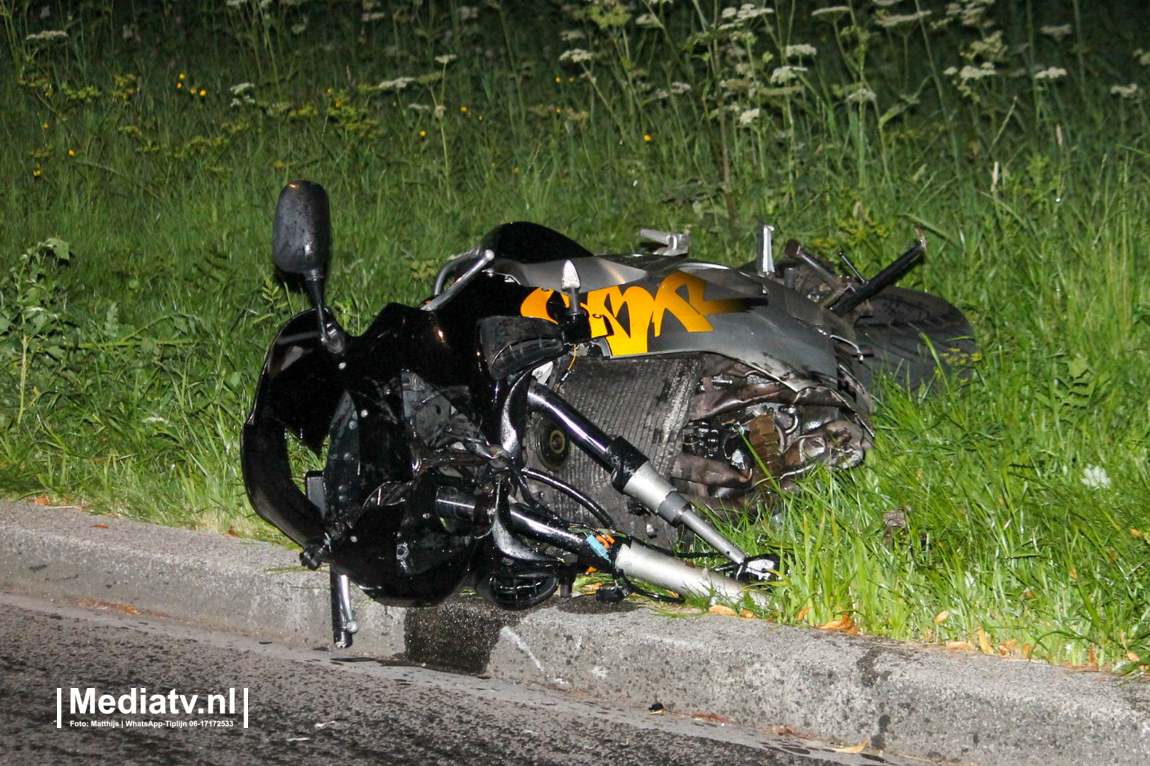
629, 318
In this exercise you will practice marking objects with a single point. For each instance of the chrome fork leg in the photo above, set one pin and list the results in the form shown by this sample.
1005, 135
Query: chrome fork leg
343, 623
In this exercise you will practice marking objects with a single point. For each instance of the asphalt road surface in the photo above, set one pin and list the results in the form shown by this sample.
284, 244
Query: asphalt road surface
312, 707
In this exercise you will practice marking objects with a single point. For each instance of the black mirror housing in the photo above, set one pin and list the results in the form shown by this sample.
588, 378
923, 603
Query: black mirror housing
301, 234
301, 247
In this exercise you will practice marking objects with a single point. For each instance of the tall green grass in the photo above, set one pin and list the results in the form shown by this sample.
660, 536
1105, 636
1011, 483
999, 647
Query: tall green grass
147, 144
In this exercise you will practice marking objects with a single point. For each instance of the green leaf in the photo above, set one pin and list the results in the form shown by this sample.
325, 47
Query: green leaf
61, 249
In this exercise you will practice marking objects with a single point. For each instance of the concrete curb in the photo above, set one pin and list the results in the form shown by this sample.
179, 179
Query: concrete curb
908, 699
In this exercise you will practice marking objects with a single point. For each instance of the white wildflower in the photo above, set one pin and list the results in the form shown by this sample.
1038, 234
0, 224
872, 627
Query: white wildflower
648, 20
950, 71
468, 12
785, 74
974, 12
679, 88
399, 83
373, 16
571, 35
802, 50
1050, 73
1095, 477
831, 11
749, 116
1055, 33
47, 36
575, 56
236, 3
1142, 56
886, 3
861, 95
1125, 91
990, 48
242, 88
446, 59
419, 107
748, 12
890, 21
440, 110
968, 72
729, 12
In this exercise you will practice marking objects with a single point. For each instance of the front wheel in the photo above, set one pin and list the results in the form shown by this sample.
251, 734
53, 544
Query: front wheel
911, 336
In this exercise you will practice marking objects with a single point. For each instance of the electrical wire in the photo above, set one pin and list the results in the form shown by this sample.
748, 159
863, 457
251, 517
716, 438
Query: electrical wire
555, 483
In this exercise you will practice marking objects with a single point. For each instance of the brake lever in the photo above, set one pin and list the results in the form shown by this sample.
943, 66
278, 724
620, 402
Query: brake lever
766, 567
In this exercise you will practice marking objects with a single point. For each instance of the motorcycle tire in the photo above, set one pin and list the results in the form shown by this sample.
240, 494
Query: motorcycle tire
912, 336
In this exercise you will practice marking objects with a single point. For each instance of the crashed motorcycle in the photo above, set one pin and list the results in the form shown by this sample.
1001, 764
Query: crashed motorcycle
549, 412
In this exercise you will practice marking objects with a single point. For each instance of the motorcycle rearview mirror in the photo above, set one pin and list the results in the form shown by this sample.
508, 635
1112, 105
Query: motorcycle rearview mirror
301, 247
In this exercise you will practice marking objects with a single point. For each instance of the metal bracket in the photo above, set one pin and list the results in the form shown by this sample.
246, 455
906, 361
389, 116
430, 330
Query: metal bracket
673, 243
765, 258
443, 297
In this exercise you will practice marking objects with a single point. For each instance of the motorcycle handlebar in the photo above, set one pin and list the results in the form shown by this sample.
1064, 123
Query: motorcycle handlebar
884, 279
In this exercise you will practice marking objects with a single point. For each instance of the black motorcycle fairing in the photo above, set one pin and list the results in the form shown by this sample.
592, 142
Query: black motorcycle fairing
527, 242
299, 384
267, 476
298, 392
